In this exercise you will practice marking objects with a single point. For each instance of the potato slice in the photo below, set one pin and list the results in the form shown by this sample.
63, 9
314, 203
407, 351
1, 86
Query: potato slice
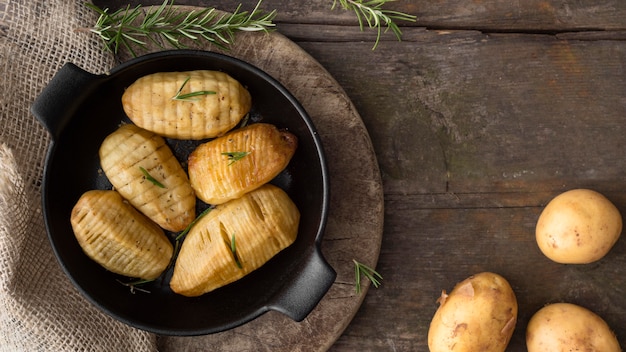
239, 162
149, 103
130, 152
118, 237
261, 224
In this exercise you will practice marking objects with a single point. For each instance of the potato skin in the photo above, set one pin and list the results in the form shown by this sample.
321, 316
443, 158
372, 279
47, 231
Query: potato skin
148, 103
479, 314
579, 226
564, 327
217, 179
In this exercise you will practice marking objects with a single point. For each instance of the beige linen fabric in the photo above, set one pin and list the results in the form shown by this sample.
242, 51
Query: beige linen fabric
40, 310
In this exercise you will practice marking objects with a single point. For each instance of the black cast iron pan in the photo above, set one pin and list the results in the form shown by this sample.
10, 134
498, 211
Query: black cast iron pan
80, 109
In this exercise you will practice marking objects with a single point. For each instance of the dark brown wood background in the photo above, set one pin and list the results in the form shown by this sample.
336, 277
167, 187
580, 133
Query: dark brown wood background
483, 113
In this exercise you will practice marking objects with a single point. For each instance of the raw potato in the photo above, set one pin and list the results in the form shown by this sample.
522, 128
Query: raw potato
564, 327
577, 227
148, 103
115, 235
130, 148
262, 223
478, 315
218, 178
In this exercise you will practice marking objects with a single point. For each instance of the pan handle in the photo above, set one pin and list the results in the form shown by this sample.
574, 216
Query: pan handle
307, 288
58, 101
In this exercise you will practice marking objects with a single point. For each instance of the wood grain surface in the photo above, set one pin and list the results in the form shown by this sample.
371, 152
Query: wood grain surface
478, 117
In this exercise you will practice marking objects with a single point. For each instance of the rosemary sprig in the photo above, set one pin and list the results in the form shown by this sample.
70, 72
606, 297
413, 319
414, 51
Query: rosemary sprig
150, 178
368, 272
235, 156
233, 249
372, 13
190, 96
122, 28
133, 285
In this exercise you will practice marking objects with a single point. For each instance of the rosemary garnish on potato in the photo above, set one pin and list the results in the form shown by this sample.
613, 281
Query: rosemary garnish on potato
233, 249
190, 96
368, 272
235, 156
150, 178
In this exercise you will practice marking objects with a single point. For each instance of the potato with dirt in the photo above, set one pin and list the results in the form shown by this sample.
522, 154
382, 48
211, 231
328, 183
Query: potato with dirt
564, 327
479, 314
579, 226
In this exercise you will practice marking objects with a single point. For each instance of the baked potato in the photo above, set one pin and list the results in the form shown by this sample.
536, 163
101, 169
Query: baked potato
143, 169
234, 239
230, 166
187, 105
115, 235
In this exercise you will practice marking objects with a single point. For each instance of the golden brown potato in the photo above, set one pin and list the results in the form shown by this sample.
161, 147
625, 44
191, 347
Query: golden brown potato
479, 314
239, 162
115, 235
579, 226
130, 156
149, 102
564, 327
261, 224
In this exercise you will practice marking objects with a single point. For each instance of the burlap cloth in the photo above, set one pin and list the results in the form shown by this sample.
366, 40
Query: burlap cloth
40, 310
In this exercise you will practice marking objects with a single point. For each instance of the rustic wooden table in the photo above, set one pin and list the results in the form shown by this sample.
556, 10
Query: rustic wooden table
478, 117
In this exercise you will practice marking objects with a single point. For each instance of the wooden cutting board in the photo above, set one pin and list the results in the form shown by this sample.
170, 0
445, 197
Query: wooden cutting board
355, 222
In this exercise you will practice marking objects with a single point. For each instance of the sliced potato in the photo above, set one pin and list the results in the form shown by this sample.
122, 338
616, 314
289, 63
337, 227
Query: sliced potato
261, 224
239, 162
479, 314
115, 235
130, 157
149, 103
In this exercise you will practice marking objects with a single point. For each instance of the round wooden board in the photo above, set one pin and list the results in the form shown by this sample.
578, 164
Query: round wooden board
355, 223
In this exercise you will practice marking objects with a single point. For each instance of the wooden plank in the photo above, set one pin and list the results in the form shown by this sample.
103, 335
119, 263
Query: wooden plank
471, 112
487, 15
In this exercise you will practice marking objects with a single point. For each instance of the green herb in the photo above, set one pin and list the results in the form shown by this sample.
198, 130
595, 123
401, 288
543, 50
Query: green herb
371, 274
188, 228
150, 178
181, 236
235, 156
123, 28
233, 248
372, 13
189, 96
133, 285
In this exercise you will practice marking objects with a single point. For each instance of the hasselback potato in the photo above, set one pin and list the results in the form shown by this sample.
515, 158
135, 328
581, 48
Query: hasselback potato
240, 161
143, 169
215, 103
261, 224
118, 237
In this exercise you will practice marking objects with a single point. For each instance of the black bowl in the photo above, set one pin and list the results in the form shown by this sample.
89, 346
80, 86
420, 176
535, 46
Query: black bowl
80, 109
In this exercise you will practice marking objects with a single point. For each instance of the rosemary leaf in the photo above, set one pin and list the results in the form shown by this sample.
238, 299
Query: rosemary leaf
235, 156
123, 28
372, 13
190, 96
133, 285
233, 248
150, 178
361, 269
